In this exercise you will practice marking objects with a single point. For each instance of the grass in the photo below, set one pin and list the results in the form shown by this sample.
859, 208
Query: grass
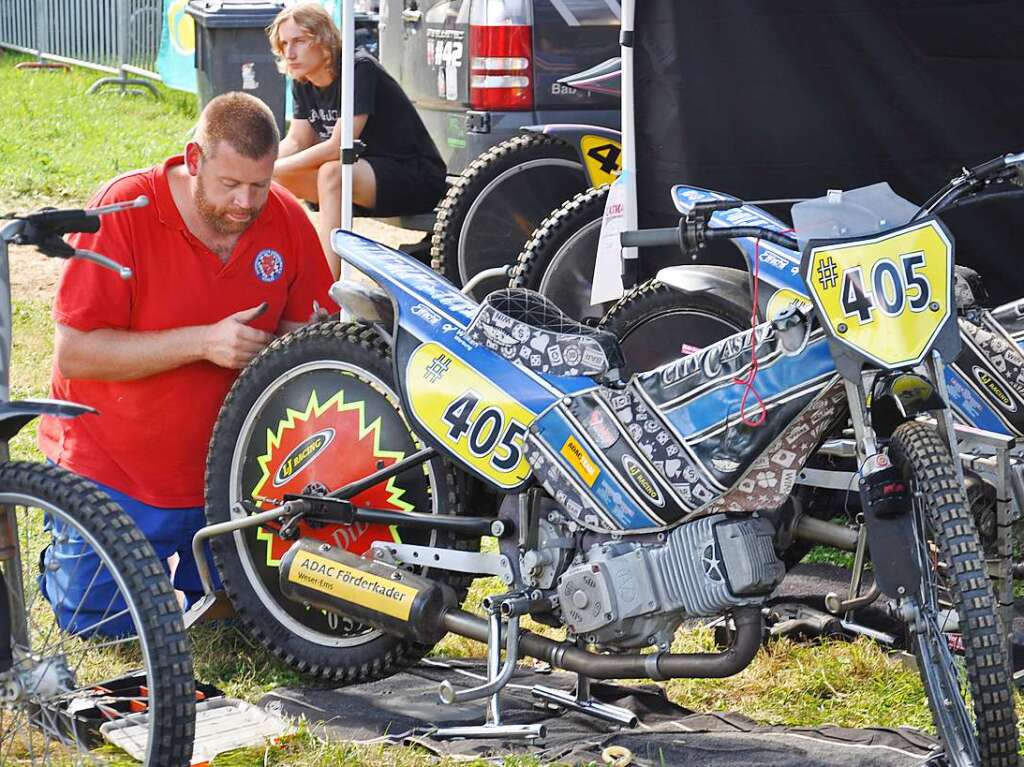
58, 146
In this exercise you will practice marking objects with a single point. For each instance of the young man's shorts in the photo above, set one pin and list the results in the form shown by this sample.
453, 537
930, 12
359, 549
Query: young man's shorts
406, 187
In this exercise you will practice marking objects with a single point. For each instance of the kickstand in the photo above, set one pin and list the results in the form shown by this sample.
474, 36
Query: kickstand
582, 702
498, 675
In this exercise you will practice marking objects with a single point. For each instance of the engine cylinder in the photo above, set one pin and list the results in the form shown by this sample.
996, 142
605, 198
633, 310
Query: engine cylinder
375, 593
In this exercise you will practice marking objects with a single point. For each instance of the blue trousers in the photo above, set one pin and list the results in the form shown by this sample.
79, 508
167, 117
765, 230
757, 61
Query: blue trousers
82, 592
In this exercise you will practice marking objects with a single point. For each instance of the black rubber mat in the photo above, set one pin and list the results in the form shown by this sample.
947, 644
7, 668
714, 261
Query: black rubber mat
405, 708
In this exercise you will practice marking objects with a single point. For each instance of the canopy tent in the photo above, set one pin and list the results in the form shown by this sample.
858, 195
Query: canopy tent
789, 98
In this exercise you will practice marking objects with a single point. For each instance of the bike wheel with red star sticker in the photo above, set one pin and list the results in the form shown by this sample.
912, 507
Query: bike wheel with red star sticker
314, 412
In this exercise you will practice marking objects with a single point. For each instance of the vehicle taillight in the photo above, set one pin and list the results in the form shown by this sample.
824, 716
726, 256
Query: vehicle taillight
501, 66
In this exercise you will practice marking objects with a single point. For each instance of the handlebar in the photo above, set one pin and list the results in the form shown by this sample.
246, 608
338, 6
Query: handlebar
975, 181
45, 230
759, 232
652, 238
975, 184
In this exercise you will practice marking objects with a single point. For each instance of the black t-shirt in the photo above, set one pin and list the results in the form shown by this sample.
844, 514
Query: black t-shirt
393, 128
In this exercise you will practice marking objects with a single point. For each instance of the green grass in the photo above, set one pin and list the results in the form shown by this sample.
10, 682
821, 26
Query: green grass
58, 145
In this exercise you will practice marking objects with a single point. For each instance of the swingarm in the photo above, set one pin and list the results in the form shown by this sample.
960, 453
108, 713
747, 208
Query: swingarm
336, 508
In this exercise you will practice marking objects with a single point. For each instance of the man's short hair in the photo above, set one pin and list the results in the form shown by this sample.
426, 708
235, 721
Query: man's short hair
316, 22
244, 122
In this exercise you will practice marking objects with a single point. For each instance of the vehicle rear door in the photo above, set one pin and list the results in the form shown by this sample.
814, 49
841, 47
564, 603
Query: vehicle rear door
424, 45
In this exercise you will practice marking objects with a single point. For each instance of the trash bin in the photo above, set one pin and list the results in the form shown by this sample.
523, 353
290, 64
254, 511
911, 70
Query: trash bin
232, 51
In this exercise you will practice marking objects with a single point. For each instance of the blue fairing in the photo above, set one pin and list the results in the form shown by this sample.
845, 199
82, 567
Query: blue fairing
783, 377
415, 289
429, 309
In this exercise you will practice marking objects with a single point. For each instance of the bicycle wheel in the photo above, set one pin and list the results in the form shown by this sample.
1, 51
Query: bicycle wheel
970, 695
125, 651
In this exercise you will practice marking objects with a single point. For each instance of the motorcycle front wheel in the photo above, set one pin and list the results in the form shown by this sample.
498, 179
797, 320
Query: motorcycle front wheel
959, 642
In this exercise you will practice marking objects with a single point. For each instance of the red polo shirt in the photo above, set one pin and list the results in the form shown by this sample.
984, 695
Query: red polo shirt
151, 436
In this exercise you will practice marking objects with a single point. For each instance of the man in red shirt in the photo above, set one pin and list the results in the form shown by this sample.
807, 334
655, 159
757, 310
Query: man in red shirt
222, 260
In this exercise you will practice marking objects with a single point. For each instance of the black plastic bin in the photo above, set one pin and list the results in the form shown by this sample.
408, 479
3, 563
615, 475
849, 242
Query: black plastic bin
232, 51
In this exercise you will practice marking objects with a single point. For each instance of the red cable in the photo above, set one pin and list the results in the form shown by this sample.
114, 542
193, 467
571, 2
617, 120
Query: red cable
748, 380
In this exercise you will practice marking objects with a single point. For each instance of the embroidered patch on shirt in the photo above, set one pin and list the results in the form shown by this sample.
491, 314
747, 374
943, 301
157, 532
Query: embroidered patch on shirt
268, 265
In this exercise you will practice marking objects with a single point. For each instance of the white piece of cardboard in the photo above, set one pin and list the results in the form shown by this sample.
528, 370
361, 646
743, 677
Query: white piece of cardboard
607, 282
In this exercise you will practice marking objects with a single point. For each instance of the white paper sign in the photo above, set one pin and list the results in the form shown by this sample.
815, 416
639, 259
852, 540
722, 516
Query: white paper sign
607, 284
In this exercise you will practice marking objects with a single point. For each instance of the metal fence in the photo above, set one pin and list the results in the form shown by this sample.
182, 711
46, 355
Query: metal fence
120, 37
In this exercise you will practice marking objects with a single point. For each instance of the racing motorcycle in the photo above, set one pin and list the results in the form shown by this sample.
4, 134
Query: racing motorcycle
985, 382
348, 458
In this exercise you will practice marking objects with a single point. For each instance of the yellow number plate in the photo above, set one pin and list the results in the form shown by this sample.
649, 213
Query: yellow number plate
886, 298
603, 158
479, 422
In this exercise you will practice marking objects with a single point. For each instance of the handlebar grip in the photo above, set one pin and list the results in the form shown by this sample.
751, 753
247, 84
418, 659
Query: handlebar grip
986, 168
650, 238
64, 221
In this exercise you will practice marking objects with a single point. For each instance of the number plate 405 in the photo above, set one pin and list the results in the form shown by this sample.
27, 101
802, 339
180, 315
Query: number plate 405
886, 298
468, 413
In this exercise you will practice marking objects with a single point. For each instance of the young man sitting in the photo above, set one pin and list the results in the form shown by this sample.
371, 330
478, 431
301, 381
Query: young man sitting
400, 171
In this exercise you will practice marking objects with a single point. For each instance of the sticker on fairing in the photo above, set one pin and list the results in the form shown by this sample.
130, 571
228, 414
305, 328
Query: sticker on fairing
603, 158
465, 411
580, 459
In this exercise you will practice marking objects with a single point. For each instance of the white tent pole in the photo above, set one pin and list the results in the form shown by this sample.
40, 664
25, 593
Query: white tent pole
348, 28
629, 122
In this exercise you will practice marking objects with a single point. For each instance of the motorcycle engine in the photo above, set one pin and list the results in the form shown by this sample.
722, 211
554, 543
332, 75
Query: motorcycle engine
626, 594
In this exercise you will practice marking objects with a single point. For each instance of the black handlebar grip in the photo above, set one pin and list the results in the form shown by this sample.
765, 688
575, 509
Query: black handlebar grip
65, 221
650, 238
986, 168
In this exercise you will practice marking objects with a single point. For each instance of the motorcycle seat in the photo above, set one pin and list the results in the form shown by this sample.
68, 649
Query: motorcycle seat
523, 326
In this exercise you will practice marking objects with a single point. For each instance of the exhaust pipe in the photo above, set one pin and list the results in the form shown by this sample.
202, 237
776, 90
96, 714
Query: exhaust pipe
825, 533
658, 666
375, 593
414, 607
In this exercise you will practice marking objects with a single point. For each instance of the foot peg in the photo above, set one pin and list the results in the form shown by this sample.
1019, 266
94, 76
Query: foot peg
589, 706
582, 702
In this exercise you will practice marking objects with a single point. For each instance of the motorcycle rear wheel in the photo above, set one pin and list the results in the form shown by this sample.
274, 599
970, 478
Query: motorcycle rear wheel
315, 411
971, 698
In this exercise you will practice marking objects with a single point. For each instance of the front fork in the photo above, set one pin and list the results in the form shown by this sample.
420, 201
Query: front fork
891, 532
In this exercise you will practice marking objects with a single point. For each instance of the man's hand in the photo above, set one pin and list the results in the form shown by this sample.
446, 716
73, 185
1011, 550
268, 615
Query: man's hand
231, 343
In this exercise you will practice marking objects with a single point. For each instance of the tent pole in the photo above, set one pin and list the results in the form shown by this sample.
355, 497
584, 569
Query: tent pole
348, 28
629, 255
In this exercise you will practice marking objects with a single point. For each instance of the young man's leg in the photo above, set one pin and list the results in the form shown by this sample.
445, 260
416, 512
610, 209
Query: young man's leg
301, 183
364, 194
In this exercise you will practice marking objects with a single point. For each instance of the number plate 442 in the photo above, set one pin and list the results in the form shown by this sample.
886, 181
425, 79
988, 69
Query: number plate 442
887, 299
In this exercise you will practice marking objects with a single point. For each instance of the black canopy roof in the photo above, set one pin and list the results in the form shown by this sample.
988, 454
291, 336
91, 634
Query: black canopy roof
789, 98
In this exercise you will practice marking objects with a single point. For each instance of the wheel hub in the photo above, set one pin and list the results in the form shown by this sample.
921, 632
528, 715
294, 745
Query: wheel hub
35, 677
